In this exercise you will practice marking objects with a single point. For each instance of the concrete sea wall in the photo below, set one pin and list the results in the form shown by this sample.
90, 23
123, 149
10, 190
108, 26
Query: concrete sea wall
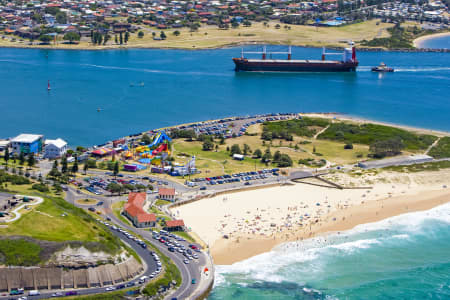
58, 278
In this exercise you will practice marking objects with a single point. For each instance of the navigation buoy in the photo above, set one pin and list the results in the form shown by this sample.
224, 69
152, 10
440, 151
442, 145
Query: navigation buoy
48, 86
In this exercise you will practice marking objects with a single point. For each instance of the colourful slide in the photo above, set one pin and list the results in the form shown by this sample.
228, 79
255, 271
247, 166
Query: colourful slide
162, 147
160, 137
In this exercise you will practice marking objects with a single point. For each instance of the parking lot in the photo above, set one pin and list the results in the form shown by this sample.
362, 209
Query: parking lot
247, 178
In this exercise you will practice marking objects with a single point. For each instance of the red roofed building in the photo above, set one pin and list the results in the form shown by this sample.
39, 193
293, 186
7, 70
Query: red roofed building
167, 194
134, 211
174, 225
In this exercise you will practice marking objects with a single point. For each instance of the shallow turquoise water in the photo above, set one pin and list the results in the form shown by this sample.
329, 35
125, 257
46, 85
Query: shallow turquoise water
442, 42
183, 86
405, 257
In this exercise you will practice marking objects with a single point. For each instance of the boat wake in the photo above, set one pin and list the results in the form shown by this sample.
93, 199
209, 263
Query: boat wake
157, 71
402, 69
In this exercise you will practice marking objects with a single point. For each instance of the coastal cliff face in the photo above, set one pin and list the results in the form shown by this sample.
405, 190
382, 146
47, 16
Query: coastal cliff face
80, 256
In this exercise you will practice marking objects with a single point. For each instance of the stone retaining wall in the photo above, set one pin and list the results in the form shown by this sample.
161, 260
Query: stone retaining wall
58, 278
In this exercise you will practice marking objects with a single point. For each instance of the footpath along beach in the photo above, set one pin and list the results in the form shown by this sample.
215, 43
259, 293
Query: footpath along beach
241, 225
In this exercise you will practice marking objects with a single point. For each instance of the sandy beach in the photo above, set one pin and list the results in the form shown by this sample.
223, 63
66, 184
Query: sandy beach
419, 41
239, 225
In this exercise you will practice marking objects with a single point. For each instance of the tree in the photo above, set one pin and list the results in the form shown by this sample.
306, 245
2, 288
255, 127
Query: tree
247, 23
140, 34
217, 147
257, 153
208, 145
278, 26
127, 36
45, 39
121, 38
71, 36
246, 149
235, 149
31, 160
146, 139
61, 17
276, 156
176, 33
116, 168
64, 165
75, 165
54, 171
85, 167
284, 161
114, 188
235, 24
162, 35
389, 147
21, 158
6, 156
348, 146
267, 156
106, 38
115, 39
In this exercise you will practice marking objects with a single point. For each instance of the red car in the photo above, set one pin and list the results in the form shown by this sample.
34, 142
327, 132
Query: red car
207, 178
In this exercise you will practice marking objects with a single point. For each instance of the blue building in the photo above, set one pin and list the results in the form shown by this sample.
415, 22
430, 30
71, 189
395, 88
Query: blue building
27, 143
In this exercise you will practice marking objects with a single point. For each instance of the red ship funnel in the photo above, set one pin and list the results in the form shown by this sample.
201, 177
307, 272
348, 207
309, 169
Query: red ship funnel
353, 54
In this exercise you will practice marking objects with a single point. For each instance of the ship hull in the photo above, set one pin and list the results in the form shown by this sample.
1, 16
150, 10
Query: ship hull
247, 65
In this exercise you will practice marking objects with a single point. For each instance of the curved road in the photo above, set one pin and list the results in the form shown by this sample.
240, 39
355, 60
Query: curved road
145, 255
188, 272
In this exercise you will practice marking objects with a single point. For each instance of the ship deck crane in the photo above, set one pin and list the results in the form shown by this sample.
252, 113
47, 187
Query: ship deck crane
264, 53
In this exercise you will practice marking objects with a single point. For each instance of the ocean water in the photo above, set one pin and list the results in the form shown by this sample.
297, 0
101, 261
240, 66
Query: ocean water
441, 42
404, 257
186, 86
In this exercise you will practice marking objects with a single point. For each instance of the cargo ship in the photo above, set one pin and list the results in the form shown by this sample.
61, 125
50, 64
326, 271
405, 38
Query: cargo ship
348, 62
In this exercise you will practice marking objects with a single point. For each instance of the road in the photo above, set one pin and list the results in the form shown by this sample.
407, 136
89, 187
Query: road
145, 255
188, 272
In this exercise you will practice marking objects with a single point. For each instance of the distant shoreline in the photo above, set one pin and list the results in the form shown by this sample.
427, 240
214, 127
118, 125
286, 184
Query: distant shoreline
230, 45
421, 40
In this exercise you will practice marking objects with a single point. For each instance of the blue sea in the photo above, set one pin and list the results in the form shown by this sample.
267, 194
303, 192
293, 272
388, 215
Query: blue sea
98, 96
404, 257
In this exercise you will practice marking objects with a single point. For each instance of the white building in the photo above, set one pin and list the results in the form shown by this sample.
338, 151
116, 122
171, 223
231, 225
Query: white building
55, 148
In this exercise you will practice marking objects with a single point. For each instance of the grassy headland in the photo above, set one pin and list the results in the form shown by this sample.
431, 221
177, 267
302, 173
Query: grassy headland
213, 37
49, 227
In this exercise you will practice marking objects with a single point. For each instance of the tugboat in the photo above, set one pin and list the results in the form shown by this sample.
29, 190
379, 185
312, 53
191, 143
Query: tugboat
382, 68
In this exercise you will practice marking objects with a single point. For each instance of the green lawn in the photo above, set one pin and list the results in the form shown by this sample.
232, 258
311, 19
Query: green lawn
19, 253
56, 220
160, 202
442, 149
117, 210
300, 127
369, 133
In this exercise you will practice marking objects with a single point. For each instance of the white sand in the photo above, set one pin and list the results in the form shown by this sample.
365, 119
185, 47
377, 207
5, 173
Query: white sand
264, 212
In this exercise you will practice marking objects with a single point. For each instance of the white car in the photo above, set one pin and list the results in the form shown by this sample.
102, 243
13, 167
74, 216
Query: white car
186, 261
57, 294
111, 288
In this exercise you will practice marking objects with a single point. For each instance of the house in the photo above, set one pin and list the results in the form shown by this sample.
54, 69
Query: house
4, 144
174, 225
27, 143
134, 211
166, 194
55, 148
